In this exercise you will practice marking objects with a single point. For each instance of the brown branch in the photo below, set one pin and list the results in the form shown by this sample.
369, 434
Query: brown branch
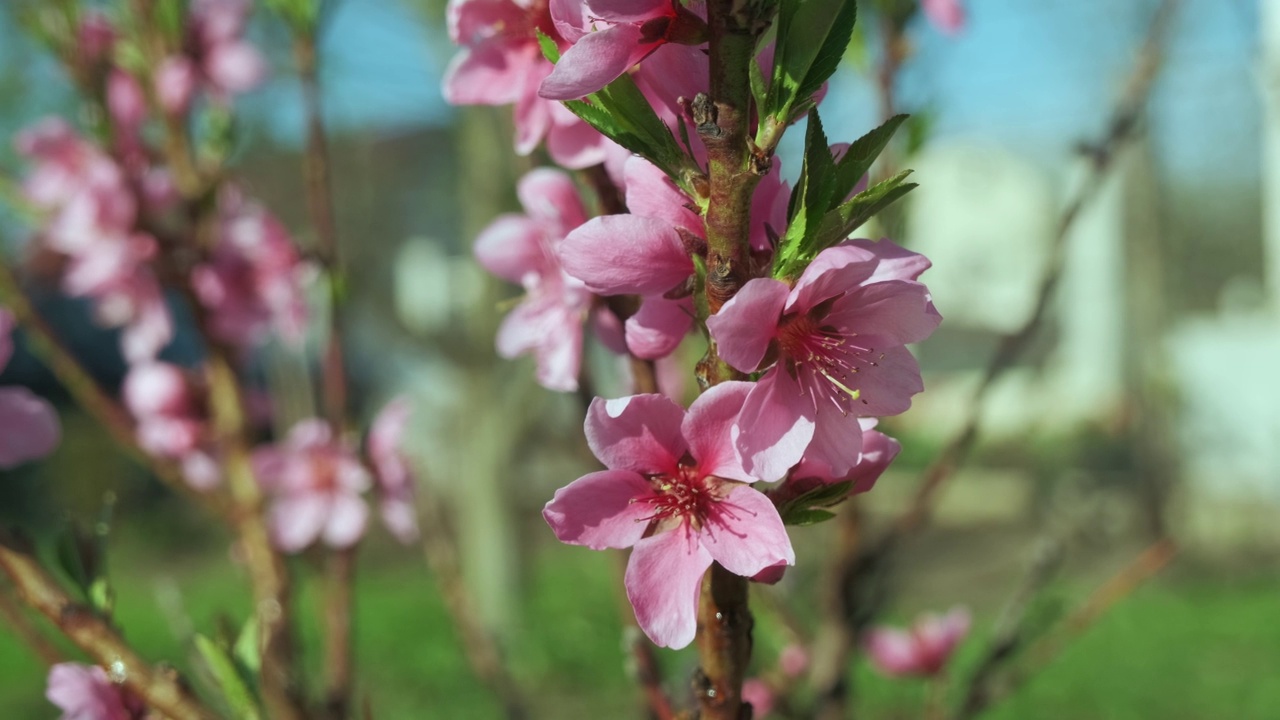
268, 575
340, 570
22, 627
478, 644
162, 689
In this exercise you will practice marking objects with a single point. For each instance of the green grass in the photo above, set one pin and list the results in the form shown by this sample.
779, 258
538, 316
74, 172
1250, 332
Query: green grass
1185, 648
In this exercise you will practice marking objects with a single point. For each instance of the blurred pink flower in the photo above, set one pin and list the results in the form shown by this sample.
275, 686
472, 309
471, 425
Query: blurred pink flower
29, 427
922, 650
84, 692
793, 660
946, 15
391, 470
126, 101
761, 697
96, 35
176, 81
171, 421
675, 490
254, 280
607, 37
501, 63
833, 348
92, 213
316, 483
522, 248
227, 63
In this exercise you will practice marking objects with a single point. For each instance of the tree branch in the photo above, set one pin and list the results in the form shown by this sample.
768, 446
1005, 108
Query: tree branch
162, 690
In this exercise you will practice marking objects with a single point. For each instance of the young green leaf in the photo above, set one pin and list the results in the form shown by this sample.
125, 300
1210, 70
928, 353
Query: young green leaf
807, 516
229, 678
862, 154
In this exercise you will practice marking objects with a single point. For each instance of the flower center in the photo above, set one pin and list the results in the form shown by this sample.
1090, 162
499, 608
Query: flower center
823, 358
685, 494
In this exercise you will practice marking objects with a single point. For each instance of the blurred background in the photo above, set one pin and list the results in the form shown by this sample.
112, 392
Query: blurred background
1147, 404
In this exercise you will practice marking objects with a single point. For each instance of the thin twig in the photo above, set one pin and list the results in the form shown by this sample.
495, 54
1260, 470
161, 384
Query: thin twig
161, 689
340, 570
17, 619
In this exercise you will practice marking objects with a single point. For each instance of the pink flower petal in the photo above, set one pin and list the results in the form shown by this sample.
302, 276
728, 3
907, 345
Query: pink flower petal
834, 271
892, 652
348, 516
747, 535
599, 510
887, 387
775, 426
878, 451
895, 310
511, 248
663, 580
297, 520
837, 439
595, 60
577, 145
626, 255
746, 324
29, 427
655, 331
896, 262
708, 427
651, 194
635, 11
640, 433
550, 197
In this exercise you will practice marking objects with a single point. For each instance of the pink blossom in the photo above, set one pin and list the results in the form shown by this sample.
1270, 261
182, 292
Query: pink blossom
126, 101
921, 650
501, 63
647, 252
254, 281
227, 63
523, 249
793, 660
171, 419
29, 427
833, 348
760, 696
84, 692
176, 80
946, 15
609, 36
95, 35
877, 452
92, 213
391, 470
676, 491
315, 483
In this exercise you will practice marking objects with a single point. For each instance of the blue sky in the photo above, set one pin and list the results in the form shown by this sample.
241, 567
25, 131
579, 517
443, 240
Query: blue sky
1033, 75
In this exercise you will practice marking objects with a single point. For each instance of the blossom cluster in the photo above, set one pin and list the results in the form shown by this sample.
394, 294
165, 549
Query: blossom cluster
822, 352
137, 236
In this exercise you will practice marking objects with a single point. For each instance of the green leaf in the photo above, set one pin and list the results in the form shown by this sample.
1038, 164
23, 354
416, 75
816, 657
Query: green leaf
841, 222
622, 113
807, 517
550, 50
832, 50
811, 39
229, 678
812, 198
823, 495
246, 650
860, 156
